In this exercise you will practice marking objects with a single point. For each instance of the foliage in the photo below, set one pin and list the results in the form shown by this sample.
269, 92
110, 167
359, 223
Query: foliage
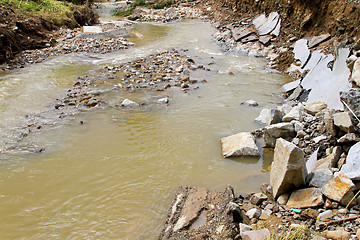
299, 233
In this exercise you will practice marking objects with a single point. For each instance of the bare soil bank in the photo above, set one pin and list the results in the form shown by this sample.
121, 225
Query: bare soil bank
19, 31
300, 18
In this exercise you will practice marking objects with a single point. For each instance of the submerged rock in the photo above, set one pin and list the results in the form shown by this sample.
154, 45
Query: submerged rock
129, 103
241, 144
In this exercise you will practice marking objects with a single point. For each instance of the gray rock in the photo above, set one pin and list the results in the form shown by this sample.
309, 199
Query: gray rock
343, 121
288, 170
256, 234
352, 166
244, 228
253, 213
319, 178
305, 198
340, 189
315, 41
326, 215
129, 103
241, 144
279, 130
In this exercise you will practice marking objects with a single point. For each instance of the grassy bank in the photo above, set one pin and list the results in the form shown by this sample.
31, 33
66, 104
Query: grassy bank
143, 3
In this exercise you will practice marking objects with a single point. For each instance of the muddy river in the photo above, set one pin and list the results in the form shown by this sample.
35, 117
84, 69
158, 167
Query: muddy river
114, 176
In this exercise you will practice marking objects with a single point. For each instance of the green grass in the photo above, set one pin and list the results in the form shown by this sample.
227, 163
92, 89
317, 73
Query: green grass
40, 6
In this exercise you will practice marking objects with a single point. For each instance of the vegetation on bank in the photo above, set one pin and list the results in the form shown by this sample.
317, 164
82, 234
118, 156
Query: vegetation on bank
56, 13
143, 3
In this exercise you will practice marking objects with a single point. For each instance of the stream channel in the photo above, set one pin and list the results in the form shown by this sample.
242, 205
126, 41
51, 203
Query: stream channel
114, 176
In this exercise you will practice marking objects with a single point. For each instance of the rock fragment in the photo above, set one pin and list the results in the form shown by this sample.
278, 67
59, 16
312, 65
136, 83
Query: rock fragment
241, 144
339, 189
305, 198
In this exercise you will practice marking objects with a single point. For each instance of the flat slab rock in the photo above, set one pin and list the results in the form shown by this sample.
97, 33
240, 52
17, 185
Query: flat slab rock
198, 213
305, 198
240, 144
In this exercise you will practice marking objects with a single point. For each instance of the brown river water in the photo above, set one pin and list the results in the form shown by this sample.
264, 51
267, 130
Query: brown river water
115, 176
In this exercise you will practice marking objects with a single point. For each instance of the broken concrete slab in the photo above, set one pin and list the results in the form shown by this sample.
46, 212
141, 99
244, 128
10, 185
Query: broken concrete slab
317, 40
290, 86
305, 198
288, 170
241, 144
325, 84
251, 38
301, 51
276, 31
265, 40
191, 204
269, 25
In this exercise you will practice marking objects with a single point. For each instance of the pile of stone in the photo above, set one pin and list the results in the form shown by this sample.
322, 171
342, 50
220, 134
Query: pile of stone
76, 41
178, 13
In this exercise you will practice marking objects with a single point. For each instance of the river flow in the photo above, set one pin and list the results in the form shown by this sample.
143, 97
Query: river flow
115, 176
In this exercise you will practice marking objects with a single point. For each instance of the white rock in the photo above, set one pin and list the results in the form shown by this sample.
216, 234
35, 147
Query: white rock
301, 51
310, 163
256, 234
352, 166
241, 144
288, 170
129, 103
269, 116
319, 138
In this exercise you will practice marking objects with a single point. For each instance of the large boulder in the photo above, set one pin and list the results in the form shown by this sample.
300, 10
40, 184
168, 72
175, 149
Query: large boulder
340, 189
288, 170
280, 130
305, 198
241, 144
352, 166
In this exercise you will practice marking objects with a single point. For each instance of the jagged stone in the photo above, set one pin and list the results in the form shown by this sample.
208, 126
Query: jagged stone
283, 199
327, 162
253, 213
241, 144
129, 103
301, 51
343, 121
265, 25
314, 107
288, 170
279, 130
240, 33
347, 138
352, 166
305, 198
339, 189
